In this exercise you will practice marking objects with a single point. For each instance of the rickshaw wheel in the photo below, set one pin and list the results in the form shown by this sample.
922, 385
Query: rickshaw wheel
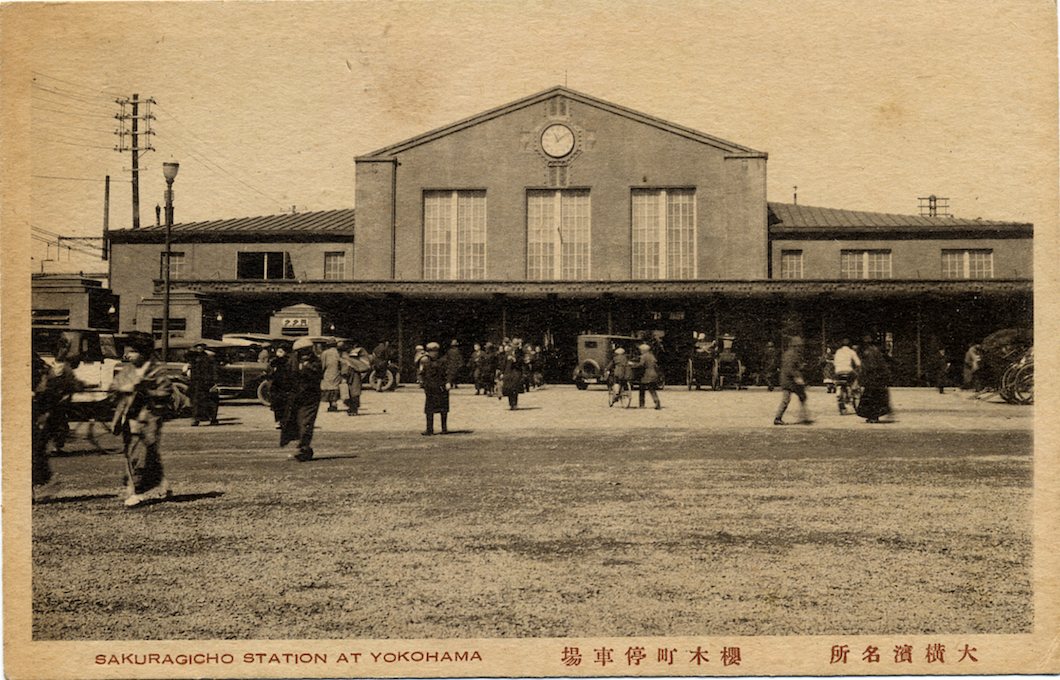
1023, 385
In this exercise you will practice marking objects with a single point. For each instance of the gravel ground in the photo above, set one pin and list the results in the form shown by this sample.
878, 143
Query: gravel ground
565, 518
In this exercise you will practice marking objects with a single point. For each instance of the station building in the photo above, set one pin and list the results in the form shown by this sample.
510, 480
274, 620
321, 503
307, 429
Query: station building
561, 214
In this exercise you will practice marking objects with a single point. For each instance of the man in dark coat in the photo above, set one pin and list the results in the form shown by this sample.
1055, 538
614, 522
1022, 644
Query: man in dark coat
454, 361
278, 384
770, 363
792, 381
941, 369
511, 372
647, 367
202, 386
436, 388
304, 373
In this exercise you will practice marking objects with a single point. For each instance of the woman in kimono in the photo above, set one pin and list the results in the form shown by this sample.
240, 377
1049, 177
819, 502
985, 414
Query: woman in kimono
875, 379
144, 393
304, 373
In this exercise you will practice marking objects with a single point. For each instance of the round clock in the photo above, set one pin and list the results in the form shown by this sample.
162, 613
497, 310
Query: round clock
557, 140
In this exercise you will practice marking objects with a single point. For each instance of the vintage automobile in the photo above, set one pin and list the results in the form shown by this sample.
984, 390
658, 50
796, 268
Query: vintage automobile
240, 374
98, 352
594, 354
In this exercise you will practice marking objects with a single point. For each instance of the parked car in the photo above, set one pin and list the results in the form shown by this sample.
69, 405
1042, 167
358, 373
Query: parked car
594, 354
99, 353
239, 373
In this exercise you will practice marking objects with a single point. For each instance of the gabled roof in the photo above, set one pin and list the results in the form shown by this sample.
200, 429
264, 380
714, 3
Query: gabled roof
336, 224
788, 220
729, 147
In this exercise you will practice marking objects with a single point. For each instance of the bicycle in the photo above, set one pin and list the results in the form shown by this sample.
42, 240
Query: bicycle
848, 392
619, 391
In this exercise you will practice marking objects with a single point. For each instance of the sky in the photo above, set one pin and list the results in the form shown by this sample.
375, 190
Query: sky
861, 106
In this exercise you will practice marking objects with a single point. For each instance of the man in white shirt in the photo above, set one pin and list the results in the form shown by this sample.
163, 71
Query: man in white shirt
846, 364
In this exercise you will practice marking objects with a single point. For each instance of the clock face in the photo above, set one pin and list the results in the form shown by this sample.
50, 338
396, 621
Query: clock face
557, 140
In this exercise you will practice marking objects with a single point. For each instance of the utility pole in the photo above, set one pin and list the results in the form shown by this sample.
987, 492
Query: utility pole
134, 134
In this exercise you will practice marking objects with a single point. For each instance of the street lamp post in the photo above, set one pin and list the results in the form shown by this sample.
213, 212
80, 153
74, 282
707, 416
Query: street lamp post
170, 172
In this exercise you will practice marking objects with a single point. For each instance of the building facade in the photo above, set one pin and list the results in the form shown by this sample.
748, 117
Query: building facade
562, 214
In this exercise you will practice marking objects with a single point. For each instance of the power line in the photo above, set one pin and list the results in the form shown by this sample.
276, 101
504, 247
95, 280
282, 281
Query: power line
207, 163
214, 163
66, 82
41, 121
70, 113
97, 102
88, 146
68, 139
72, 179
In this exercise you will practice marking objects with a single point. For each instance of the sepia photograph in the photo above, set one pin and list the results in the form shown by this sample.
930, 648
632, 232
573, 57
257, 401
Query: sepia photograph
509, 339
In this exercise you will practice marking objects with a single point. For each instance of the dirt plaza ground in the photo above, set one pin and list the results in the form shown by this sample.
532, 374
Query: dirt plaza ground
563, 518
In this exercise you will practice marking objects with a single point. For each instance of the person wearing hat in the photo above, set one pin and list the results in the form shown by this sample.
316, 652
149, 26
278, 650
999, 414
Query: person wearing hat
454, 362
419, 358
202, 385
53, 390
478, 358
770, 364
304, 373
144, 393
511, 373
329, 384
792, 382
649, 374
356, 362
436, 388
278, 383
846, 363
618, 370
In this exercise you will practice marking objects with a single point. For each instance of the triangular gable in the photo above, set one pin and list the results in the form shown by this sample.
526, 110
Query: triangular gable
728, 147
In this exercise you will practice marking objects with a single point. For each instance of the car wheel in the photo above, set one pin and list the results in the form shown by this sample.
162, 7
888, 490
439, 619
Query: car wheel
382, 381
265, 392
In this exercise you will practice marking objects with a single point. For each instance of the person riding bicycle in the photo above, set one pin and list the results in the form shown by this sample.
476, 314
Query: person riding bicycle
846, 363
618, 369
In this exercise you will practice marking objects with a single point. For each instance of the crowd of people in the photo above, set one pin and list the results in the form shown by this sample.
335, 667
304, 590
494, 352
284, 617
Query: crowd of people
310, 372
865, 366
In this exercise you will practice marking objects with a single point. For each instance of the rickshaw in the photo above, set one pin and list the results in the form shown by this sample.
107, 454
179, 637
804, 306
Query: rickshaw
728, 369
1008, 365
700, 369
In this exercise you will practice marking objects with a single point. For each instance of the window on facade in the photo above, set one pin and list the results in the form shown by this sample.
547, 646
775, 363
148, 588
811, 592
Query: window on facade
454, 235
664, 234
177, 327
176, 265
557, 235
791, 264
51, 317
266, 265
865, 264
967, 264
334, 266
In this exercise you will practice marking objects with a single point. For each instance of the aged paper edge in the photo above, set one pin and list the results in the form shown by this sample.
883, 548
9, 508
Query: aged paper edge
1036, 653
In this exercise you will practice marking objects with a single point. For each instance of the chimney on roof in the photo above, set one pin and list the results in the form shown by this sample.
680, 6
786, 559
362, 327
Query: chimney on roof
158, 215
